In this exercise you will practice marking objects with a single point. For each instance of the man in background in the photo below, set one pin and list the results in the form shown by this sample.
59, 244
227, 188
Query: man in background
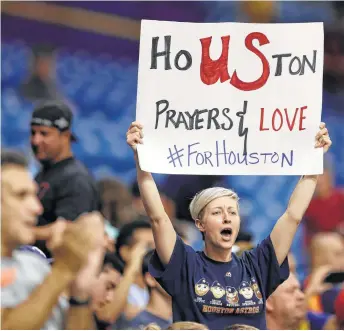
137, 202
116, 202
286, 310
66, 188
327, 248
326, 255
104, 288
33, 298
41, 83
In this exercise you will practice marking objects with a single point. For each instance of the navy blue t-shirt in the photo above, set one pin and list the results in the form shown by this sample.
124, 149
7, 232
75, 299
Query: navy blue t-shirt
219, 294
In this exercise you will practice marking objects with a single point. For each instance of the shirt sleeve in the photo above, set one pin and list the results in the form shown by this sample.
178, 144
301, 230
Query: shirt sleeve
174, 277
264, 261
74, 198
30, 272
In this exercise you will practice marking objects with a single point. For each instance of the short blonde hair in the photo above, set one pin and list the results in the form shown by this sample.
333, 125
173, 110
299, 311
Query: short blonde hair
203, 198
187, 326
152, 326
240, 327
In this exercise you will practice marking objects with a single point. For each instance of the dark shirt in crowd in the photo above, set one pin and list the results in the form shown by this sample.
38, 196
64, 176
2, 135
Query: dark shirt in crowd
66, 190
36, 89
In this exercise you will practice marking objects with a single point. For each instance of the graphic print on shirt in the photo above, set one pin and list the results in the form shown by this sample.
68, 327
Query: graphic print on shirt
218, 290
202, 287
256, 289
232, 296
231, 303
246, 290
43, 189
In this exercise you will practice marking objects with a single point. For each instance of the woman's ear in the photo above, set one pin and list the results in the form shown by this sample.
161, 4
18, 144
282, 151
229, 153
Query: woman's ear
199, 224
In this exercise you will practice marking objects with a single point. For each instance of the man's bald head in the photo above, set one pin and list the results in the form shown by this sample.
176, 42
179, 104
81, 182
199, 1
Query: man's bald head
286, 307
327, 249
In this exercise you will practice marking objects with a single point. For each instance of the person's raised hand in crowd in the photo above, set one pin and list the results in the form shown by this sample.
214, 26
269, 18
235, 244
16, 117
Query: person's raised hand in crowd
316, 284
136, 257
322, 138
135, 135
91, 227
51, 233
81, 287
76, 240
132, 271
83, 245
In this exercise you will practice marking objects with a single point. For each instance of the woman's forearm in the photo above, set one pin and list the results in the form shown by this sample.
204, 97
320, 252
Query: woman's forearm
302, 196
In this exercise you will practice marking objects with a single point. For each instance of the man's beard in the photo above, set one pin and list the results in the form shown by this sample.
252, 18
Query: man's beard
46, 163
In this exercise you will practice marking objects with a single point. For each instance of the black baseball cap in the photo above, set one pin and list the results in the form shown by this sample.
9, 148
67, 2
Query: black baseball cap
54, 114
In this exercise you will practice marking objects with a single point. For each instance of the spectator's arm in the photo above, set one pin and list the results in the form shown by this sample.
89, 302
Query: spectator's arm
80, 317
44, 231
36, 310
284, 231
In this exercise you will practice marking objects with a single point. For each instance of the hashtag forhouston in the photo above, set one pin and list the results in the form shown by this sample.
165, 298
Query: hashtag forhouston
193, 155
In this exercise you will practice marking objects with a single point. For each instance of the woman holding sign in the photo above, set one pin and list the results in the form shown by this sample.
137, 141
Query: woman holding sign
215, 287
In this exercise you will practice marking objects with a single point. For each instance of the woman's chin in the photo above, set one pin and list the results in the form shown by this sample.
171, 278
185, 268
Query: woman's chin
226, 244
222, 243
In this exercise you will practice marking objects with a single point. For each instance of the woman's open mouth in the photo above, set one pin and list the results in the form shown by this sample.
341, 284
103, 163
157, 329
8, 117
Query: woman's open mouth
226, 233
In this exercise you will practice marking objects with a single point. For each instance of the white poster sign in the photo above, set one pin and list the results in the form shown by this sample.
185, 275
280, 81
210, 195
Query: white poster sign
230, 98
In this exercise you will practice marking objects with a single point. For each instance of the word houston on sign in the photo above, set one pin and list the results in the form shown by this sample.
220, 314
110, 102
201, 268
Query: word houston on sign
213, 70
